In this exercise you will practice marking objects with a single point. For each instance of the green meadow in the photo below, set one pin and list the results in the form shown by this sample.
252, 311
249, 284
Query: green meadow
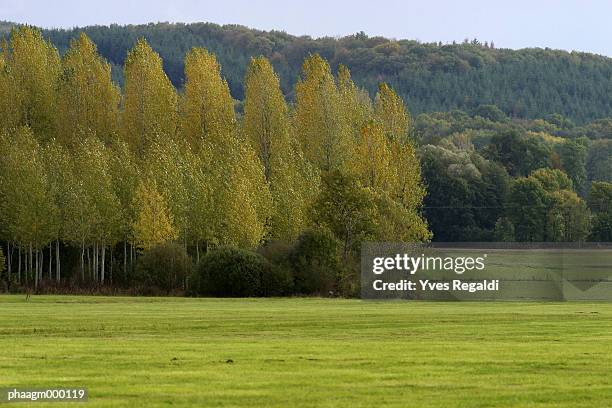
309, 352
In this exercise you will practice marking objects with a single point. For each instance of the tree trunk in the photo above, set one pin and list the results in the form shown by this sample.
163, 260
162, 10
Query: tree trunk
94, 255
103, 256
19, 265
198, 252
89, 264
57, 261
31, 262
41, 263
110, 271
36, 265
125, 259
8, 260
50, 259
83, 261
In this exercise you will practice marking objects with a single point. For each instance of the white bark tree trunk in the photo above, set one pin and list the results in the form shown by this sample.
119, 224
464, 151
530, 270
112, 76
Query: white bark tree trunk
36, 265
19, 265
102, 268
57, 261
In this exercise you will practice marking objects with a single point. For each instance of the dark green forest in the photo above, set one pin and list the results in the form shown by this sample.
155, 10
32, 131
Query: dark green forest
528, 83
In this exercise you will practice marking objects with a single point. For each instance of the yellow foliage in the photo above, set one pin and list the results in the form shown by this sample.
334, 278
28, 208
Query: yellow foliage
154, 223
35, 67
390, 111
373, 158
150, 109
207, 106
88, 100
232, 202
320, 123
266, 126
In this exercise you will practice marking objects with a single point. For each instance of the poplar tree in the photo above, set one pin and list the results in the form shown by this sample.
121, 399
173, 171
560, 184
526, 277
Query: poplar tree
266, 126
26, 204
9, 109
373, 158
236, 205
169, 164
150, 111
320, 124
35, 67
207, 111
390, 111
59, 168
94, 221
408, 188
391, 171
126, 176
153, 224
356, 103
88, 100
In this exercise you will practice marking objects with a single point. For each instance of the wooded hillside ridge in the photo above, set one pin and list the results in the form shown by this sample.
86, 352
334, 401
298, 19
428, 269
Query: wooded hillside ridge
526, 83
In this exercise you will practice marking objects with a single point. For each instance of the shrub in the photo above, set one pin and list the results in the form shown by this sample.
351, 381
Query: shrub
233, 272
165, 267
278, 253
315, 261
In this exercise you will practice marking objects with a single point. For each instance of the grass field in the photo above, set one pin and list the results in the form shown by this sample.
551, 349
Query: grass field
309, 352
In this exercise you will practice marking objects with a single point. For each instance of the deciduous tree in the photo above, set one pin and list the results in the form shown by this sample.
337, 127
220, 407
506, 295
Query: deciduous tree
320, 123
88, 100
150, 111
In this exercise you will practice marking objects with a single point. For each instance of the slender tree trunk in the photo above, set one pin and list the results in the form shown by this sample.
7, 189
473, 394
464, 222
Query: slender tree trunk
131, 257
19, 265
8, 260
83, 261
89, 264
197, 252
25, 265
41, 263
31, 262
103, 255
36, 265
94, 255
50, 259
97, 261
110, 271
57, 261
125, 259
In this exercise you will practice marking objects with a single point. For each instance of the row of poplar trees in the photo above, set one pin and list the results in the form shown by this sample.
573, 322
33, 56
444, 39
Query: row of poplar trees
87, 165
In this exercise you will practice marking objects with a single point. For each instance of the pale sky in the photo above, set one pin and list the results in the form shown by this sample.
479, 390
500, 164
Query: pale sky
584, 25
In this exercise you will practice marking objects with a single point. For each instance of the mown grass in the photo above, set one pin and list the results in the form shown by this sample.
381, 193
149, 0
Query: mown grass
309, 352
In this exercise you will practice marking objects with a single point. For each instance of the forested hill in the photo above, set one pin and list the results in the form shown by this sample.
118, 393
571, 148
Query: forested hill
528, 83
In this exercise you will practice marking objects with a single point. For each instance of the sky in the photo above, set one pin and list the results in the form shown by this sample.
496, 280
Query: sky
583, 25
